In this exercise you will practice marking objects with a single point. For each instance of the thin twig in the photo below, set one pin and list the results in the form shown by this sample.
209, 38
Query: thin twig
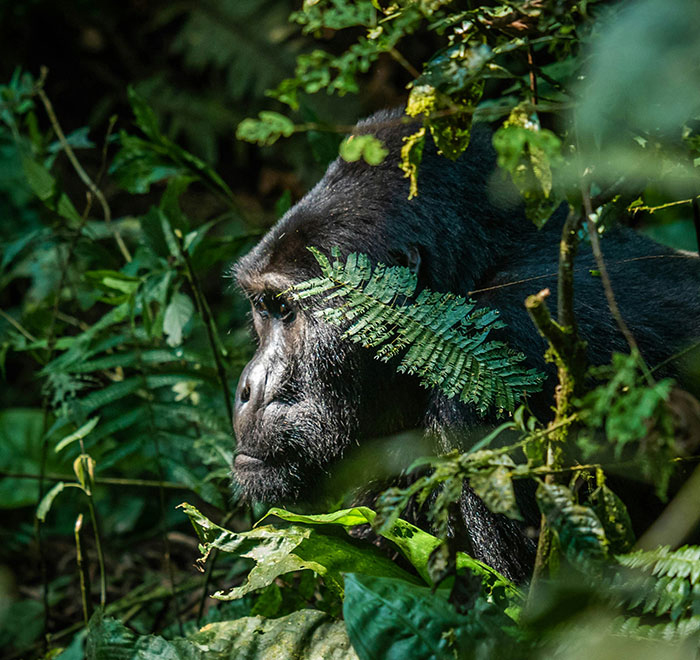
100, 481
67, 318
609, 193
533, 75
581, 269
675, 356
678, 519
87, 468
404, 62
18, 326
696, 222
607, 286
651, 209
205, 313
82, 570
79, 168
568, 247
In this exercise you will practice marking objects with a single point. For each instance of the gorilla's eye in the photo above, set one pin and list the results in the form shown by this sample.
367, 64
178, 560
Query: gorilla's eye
272, 305
259, 305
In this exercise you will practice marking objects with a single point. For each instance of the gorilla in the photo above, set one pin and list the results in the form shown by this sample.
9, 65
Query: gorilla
307, 396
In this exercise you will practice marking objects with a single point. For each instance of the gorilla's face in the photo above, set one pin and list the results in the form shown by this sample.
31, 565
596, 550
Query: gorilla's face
306, 396
294, 407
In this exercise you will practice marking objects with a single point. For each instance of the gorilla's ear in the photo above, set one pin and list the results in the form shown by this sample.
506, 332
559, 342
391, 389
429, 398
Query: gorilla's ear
408, 257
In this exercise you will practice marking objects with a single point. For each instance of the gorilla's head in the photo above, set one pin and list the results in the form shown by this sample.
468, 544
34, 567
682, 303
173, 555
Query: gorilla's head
307, 395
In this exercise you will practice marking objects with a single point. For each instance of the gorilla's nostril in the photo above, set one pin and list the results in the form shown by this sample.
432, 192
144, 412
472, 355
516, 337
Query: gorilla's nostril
245, 393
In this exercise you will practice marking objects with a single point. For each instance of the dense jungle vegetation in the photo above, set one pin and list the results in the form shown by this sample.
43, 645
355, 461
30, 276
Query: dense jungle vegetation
145, 146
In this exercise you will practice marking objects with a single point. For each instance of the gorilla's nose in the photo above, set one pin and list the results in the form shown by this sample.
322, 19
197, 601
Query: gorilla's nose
244, 395
249, 394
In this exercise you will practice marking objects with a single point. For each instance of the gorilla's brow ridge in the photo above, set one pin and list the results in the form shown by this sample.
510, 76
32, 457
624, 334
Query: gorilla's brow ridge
252, 283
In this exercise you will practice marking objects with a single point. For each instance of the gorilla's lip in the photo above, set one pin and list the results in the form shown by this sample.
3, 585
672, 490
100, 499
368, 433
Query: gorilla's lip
247, 462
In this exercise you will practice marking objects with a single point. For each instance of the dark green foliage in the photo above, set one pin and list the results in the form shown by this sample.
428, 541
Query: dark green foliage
124, 357
406, 616
612, 514
528, 153
635, 416
387, 619
293, 548
119, 355
580, 533
304, 633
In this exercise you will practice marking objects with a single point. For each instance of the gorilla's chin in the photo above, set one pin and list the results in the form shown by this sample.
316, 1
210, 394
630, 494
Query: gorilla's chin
276, 480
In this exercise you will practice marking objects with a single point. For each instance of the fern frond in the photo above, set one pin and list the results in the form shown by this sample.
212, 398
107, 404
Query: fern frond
662, 561
130, 358
668, 631
442, 338
670, 582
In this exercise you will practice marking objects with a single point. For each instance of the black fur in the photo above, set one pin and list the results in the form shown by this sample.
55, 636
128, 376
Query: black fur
307, 396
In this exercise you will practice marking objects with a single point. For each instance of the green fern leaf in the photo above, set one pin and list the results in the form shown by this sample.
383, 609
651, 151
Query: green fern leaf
441, 338
669, 585
684, 562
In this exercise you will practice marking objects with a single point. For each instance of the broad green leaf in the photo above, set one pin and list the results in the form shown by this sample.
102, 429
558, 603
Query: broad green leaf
78, 139
360, 515
281, 550
528, 153
22, 623
44, 186
143, 114
178, 314
142, 162
580, 532
42, 182
12, 249
138, 165
113, 280
389, 619
81, 433
307, 634
450, 121
495, 487
415, 544
613, 515
447, 95
84, 470
170, 204
155, 229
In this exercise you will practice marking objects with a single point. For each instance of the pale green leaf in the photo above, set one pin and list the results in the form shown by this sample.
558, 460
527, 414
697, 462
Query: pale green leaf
178, 314
81, 433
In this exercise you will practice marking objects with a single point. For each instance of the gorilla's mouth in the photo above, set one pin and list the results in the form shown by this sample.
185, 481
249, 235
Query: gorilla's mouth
248, 463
